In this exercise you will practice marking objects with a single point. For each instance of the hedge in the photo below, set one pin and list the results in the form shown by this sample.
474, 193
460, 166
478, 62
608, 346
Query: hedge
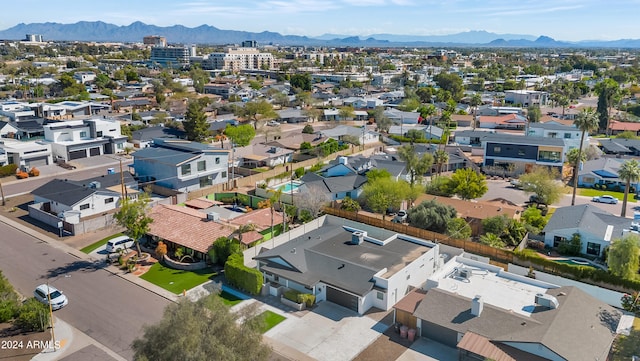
578, 272
33, 316
299, 297
242, 277
7, 170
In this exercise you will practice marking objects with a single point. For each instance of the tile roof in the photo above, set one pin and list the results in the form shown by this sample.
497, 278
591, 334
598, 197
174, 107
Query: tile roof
483, 346
261, 218
186, 227
410, 302
201, 203
622, 126
476, 210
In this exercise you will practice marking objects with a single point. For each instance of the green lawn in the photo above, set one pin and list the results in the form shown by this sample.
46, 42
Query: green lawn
229, 299
590, 192
174, 280
270, 319
92, 247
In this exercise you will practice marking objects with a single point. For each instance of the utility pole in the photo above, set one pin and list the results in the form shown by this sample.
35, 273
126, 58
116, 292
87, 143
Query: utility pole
53, 335
2, 193
122, 182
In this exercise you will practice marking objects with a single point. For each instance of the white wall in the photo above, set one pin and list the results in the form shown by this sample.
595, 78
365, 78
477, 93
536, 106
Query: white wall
536, 349
97, 203
568, 233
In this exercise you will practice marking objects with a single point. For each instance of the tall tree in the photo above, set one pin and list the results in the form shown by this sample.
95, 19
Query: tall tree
440, 157
629, 172
195, 123
200, 78
607, 91
132, 215
200, 331
432, 216
586, 121
534, 113
240, 135
466, 183
415, 165
382, 194
476, 100
575, 156
623, 256
257, 111
346, 113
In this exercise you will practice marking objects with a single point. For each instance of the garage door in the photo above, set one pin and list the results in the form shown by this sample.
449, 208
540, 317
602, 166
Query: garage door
94, 151
36, 162
342, 298
77, 154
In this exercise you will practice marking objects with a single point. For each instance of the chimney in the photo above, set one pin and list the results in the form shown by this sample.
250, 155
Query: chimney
343, 160
477, 304
357, 237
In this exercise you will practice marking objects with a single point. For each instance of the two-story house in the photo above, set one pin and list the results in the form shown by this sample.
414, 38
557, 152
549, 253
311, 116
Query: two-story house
181, 165
570, 134
78, 139
521, 153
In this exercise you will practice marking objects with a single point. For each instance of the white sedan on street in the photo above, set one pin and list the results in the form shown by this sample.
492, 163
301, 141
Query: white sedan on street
606, 199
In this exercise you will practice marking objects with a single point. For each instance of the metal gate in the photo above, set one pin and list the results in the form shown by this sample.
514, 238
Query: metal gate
342, 298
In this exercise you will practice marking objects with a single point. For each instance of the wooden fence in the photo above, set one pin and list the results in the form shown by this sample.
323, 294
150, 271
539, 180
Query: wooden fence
500, 255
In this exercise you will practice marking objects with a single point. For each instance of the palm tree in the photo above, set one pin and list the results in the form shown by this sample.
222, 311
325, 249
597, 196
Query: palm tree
587, 120
440, 157
629, 172
574, 156
476, 100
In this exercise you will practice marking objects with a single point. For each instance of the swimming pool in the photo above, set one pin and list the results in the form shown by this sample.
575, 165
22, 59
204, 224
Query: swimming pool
289, 187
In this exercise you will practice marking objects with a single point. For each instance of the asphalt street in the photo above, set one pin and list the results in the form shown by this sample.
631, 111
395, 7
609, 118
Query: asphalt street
502, 189
104, 306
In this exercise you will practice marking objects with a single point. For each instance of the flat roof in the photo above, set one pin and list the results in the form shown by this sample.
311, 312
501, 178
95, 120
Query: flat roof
497, 287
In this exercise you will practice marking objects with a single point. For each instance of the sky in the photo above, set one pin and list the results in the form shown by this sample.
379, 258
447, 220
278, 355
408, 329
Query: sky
569, 20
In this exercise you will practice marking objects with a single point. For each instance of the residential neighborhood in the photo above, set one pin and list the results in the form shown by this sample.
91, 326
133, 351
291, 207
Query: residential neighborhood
318, 202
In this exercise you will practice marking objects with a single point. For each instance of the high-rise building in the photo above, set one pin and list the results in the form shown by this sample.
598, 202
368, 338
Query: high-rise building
155, 40
249, 44
34, 38
170, 57
236, 59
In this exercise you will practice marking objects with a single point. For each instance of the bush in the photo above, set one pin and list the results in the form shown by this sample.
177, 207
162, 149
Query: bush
33, 316
299, 172
8, 310
7, 170
291, 295
306, 298
242, 277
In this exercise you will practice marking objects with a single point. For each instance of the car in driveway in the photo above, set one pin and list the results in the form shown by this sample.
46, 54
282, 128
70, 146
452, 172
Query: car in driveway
119, 243
45, 293
273, 123
605, 199
400, 217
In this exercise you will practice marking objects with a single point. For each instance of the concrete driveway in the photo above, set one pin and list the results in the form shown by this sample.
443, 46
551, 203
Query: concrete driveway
328, 332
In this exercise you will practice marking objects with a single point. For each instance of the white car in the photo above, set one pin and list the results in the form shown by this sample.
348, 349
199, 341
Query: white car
44, 293
119, 243
606, 199
273, 123
400, 217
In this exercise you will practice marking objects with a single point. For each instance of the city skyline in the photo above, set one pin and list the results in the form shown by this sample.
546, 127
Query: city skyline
567, 20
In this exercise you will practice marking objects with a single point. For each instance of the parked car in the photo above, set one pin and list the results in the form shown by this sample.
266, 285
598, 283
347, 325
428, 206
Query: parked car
605, 199
273, 123
119, 243
400, 217
44, 293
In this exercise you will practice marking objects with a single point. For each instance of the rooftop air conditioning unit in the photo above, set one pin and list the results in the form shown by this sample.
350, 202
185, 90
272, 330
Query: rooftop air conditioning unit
94, 185
213, 216
546, 300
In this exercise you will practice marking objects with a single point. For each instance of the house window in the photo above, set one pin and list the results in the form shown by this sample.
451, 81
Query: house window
567, 135
83, 134
217, 160
593, 248
99, 133
202, 166
496, 149
557, 240
84, 206
380, 295
186, 169
553, 135
205, 181
224, 174
108, 200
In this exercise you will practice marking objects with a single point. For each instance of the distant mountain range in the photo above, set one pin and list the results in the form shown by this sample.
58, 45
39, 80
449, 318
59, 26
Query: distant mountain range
206, 34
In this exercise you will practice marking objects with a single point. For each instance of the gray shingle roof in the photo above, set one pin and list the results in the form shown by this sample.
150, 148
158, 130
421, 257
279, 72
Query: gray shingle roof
587, 218
70, 192
581, 328
326, 255
165, 155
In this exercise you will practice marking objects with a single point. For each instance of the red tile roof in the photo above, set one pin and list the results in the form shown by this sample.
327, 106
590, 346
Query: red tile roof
410, 302
622, 126
261, 218
201, 203
186, 227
